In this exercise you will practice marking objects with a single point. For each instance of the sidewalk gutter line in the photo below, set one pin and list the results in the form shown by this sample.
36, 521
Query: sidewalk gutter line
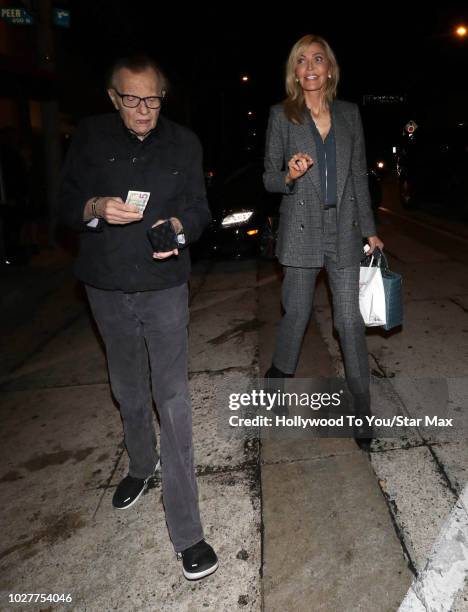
455, 301
381, 368
393, 511
109, 480
262, 525
441, 469
319, 458
222, 371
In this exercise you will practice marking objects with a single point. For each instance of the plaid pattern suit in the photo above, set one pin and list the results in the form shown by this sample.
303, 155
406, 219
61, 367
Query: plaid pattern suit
310, 237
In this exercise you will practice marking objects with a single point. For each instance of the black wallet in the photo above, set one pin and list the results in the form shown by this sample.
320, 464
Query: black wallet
163, 238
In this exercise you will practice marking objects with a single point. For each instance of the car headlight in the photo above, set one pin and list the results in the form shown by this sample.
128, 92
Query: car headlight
237, 218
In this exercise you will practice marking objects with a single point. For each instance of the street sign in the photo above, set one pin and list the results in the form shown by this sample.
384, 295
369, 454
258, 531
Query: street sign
411, 127
383, 99
61, 17
16, 16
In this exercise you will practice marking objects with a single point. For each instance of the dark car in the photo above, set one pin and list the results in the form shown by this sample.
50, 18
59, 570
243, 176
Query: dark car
432, 166
246, 216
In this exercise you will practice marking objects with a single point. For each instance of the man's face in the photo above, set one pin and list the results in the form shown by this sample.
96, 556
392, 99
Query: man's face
141, 119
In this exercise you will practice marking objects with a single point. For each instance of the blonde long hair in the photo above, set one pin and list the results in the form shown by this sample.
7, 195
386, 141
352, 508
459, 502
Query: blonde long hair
294, 104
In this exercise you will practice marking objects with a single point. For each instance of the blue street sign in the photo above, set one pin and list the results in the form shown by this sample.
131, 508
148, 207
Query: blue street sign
16, 16
61, 17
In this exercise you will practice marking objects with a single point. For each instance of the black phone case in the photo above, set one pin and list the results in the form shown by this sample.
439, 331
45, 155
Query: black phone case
163, 238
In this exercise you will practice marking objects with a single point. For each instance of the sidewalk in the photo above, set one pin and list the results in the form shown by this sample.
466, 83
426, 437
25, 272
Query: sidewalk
329, 542
62, 457
297, 526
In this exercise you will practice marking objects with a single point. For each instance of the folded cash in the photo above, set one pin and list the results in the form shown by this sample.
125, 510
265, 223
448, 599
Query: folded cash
138, 199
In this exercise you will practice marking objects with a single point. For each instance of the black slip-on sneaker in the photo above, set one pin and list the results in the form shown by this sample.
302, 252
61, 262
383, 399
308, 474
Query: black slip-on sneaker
130, 490
198, 561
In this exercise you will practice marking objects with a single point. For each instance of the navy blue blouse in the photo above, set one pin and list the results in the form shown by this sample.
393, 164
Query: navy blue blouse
326, 154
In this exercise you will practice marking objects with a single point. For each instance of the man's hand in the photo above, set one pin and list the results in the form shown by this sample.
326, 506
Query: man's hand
177, 225
115, 211
374, 242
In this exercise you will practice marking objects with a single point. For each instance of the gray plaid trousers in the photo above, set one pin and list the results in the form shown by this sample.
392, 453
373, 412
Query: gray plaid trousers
297, 299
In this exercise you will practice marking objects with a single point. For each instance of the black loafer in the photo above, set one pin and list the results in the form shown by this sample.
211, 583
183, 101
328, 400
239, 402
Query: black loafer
198, 561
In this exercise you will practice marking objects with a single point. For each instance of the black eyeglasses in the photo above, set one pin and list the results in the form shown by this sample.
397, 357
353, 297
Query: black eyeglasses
152, 102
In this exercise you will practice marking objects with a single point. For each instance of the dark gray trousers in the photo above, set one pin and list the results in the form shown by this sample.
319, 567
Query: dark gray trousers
297, 299
135, 326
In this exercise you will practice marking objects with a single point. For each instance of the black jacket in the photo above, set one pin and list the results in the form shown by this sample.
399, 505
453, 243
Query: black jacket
105, 159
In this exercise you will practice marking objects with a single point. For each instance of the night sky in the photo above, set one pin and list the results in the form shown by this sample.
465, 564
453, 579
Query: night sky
383, 49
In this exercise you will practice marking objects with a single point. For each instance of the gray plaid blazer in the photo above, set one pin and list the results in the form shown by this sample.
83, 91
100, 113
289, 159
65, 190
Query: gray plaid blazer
300, 238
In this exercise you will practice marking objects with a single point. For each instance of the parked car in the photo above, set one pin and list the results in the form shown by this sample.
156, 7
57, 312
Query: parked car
432, 167
246, 216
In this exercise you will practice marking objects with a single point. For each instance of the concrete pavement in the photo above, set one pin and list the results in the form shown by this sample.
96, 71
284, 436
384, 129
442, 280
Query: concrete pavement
62, 456
297, 525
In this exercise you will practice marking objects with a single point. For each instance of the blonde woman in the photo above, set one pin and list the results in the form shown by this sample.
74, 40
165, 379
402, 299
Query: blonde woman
315, 156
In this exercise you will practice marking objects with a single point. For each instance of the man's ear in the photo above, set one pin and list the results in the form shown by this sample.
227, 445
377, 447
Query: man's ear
113, 97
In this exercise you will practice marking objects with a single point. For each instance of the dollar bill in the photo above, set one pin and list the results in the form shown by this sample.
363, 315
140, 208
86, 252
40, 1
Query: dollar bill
138, 199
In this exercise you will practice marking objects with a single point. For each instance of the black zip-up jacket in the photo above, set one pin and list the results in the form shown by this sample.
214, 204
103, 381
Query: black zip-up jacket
106, 159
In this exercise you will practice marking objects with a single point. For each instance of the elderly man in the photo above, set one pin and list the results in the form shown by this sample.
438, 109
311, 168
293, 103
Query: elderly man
138, 297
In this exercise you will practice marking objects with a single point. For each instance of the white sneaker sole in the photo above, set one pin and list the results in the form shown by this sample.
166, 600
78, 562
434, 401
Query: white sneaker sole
158, 465
197, 575
135, 500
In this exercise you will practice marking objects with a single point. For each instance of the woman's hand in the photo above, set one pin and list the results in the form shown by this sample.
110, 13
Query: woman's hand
374, 242
298, 166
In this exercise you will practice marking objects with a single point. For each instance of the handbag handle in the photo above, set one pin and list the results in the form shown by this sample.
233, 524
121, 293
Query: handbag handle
379, 256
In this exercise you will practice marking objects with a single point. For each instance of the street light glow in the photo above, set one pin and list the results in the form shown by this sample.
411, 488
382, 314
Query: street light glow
245, 78
461, 31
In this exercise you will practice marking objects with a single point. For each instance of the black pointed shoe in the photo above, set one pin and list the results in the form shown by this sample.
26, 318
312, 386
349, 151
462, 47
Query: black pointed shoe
363, 434
198, 561
274, 372
364, 443
130, 489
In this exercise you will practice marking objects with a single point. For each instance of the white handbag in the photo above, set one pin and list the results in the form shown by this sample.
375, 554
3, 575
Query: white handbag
372, 295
